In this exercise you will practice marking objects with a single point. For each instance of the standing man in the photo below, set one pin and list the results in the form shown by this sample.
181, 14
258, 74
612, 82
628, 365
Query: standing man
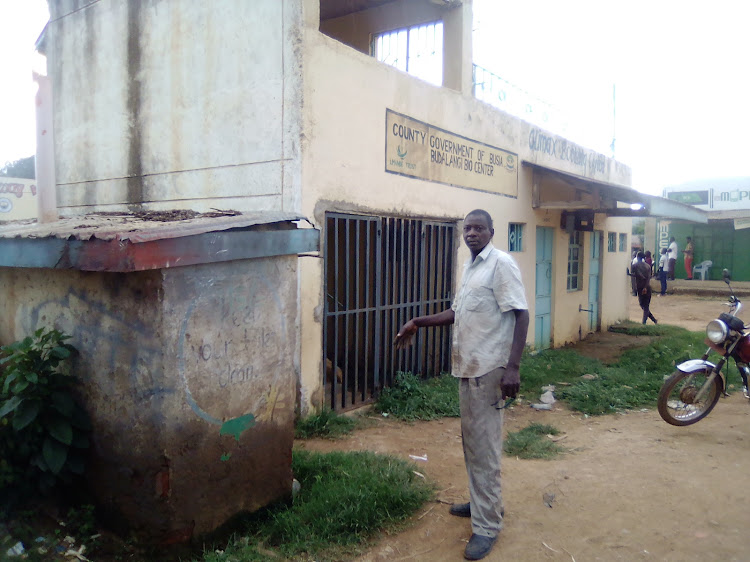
663, 272
688, 251
491, 320
672, 257
642, 274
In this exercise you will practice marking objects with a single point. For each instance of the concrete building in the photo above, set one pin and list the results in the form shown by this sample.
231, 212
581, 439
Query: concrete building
279, 109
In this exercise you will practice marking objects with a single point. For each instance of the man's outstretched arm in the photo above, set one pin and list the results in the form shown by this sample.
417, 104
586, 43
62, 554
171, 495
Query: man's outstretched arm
407, 331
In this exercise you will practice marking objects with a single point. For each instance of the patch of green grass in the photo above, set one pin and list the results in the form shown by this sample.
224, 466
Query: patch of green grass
634, 381
412, 398
345, 498
327, 424
638, 329
532, 442
553, 366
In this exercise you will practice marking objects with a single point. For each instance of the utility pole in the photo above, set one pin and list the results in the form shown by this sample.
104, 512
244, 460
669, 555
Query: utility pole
614, 118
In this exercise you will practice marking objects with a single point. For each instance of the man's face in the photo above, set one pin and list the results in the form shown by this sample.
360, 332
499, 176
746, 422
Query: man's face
477, 233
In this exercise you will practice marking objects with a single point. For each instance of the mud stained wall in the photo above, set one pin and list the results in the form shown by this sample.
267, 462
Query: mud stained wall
189, 378
174, 104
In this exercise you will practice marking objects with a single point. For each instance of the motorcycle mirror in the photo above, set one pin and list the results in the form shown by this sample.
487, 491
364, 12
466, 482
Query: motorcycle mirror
726, 275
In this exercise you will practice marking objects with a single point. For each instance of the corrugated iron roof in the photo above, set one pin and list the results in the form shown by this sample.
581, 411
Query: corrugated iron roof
141, 227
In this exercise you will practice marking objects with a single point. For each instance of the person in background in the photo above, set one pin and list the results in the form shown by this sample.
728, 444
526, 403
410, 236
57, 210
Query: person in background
672, 257
688, 252
649, 260
642, 274
663, 259
630, 272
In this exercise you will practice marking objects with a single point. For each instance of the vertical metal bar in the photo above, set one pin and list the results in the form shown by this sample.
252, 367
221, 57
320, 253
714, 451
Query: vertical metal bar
347, 314
377, 351
422, 266
443, 295
430, 367
335, 358
394, 295
358, 263
436, 356
411, 292
326, 310
403, 366
369, 262
425, 290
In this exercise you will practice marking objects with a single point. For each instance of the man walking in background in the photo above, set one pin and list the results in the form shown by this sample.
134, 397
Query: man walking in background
642, 274
672, 257
688, 252
491, 320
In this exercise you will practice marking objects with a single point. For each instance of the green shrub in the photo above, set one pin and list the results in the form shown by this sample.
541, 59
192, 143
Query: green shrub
43, 431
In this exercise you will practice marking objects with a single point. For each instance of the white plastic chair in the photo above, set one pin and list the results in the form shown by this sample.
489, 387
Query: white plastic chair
702, 268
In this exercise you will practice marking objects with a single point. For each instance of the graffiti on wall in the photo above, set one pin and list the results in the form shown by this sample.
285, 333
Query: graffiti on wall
105, 339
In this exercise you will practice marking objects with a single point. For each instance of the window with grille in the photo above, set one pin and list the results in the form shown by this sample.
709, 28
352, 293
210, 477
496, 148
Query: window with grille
515, 237
417, 50
623, 242
575, 263
611, 241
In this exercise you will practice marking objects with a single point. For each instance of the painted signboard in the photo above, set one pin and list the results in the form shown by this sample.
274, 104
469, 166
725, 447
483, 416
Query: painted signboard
733, 198
420, 150
17, 199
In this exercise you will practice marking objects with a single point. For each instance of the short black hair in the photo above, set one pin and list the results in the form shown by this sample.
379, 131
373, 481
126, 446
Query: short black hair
640, 255
482, 213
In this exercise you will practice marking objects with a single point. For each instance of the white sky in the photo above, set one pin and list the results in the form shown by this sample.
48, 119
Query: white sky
680, 69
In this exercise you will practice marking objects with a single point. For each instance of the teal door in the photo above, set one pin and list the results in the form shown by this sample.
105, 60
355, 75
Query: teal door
543, 298
594, 278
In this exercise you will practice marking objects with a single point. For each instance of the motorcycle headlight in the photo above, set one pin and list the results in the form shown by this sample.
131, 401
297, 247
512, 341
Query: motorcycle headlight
717, 331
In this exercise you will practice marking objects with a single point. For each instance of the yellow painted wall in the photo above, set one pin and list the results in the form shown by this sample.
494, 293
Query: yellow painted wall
346, 95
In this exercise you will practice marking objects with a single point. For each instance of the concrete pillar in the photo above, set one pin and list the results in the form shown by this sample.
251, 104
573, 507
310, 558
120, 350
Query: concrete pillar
457, 48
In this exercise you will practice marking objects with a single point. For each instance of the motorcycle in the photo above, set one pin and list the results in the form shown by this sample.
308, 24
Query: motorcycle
690, 393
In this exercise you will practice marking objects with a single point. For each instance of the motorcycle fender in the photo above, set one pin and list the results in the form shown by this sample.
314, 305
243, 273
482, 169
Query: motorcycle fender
694, 365
699, 365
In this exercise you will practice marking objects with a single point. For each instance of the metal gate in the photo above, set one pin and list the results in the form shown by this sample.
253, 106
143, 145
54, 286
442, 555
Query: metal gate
379, 273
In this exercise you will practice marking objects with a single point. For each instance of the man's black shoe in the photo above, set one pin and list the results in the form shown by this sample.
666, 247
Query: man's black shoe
464, 510
460, 509
479, 547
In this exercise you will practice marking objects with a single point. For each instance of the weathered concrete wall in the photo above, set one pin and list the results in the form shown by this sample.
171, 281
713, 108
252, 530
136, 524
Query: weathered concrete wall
346, 97
170, 104
170, 359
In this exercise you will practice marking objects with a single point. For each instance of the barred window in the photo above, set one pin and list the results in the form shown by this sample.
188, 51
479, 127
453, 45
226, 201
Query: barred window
417, 50
575, 261
623, 242
611, 241
515, 237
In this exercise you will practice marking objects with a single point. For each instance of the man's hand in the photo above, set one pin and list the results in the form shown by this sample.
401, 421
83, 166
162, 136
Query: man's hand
510, 383
405, 335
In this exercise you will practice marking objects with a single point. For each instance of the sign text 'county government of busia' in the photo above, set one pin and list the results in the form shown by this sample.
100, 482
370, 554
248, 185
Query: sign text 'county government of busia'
423, 151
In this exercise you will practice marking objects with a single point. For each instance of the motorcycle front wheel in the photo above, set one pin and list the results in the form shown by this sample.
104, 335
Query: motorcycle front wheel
678, 403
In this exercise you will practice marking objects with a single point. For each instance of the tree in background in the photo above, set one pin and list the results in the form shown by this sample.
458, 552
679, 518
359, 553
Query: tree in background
22, 168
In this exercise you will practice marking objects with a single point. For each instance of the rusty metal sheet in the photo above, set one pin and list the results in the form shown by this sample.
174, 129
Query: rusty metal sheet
127, 226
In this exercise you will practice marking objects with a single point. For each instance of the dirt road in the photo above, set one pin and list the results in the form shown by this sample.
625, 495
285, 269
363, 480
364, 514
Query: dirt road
631, 487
